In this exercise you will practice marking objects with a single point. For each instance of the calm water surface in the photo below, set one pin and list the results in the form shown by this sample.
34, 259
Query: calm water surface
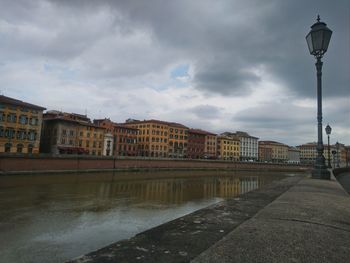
53, 218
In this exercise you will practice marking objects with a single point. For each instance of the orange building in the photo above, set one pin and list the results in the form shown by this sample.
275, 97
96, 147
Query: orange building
124, 137
20, 126
178, 140
160, 138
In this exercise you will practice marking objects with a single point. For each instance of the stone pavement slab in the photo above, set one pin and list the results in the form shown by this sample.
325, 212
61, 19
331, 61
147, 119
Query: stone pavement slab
308, 223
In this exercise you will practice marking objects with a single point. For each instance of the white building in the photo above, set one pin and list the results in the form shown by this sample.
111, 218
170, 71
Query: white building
293, 155
249, 146
108, 144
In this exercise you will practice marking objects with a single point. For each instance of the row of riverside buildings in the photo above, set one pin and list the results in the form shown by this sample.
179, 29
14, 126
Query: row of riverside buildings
26, 129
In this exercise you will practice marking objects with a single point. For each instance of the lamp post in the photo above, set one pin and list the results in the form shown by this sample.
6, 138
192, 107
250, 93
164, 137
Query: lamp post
328, 132
317, 41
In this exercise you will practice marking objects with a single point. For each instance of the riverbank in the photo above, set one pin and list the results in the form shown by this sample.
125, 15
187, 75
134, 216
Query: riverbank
343, 177
17, 164
297, 219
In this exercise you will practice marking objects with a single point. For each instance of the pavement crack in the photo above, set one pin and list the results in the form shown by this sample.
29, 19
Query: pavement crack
311, 222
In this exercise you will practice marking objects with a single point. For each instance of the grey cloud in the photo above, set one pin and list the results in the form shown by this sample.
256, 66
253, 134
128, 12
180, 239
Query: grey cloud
224, 39
206, 111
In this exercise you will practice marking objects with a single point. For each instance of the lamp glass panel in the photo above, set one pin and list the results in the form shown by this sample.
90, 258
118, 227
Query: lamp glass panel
317, 40
326, 38
309, 42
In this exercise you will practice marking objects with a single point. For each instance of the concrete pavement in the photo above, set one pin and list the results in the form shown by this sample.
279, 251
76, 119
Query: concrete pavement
308, 223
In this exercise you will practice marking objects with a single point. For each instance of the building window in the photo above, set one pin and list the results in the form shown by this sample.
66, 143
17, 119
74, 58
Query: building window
30, 148
19, 148
8, 147
11, 117
2, 116
31, 135
9, 133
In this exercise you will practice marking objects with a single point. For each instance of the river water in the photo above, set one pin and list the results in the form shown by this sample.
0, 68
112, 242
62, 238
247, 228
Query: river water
53, 218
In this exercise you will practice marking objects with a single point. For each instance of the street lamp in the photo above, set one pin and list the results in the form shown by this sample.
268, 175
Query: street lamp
328, 132
317, 41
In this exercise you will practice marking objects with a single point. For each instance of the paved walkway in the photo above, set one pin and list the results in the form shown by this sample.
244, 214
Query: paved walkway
308, 223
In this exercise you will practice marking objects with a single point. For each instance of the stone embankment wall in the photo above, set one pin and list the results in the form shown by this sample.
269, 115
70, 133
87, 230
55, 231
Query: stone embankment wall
15, 163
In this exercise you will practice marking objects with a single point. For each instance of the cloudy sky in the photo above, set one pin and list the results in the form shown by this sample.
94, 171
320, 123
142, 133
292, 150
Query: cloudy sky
221, 65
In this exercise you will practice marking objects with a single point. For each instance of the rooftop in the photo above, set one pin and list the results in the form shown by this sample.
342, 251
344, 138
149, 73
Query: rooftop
11, 101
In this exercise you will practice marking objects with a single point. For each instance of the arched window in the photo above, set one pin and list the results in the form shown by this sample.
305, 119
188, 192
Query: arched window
8, 147
19, 148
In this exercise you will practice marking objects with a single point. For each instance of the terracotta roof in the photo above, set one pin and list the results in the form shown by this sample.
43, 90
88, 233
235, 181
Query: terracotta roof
244, 134
67, 119
11, 101
173, 124
229, 134
272, 142
200, 131
122, 125
228, 137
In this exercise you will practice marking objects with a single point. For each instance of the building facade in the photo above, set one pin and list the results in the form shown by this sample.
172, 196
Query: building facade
178, 140
160, 138
308, 153
210, 151
249, 146
279, 151
293, 155
228, 148
196, 144
20, 126
265, 153
152, 138
124, 138
70, 133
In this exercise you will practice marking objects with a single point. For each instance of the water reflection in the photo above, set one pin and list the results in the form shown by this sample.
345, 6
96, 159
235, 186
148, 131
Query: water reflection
51, 218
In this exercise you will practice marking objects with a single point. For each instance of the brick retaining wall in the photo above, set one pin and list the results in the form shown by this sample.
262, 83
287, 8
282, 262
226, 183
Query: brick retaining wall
17, 163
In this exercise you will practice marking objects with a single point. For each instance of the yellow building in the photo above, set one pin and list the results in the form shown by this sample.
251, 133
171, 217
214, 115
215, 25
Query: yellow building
228, 147
178, 140
70, 133
210, 150
279, 151
160, 138
308, 153
20, 126
153, 137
